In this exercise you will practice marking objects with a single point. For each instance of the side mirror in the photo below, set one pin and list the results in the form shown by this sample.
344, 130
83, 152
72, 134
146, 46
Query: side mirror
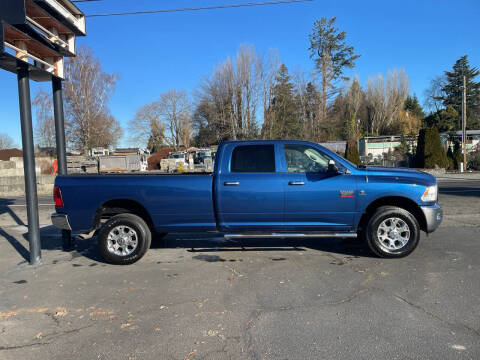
332, 169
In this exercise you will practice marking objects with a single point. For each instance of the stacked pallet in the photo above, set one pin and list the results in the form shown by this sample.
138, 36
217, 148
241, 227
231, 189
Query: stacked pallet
81, 165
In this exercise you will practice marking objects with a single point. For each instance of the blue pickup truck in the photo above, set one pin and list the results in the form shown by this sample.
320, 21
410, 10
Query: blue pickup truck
260, 188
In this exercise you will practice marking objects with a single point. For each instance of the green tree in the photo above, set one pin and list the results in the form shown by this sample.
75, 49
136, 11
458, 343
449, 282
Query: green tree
283, 109
430, 152
351, 152
451, 162
453, 90
413, 106
404, 147
353, 102
457, 154
331, 54
444, 119
311, 110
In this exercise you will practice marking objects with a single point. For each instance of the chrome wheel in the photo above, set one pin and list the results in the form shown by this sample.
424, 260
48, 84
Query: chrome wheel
122, 240
393, 234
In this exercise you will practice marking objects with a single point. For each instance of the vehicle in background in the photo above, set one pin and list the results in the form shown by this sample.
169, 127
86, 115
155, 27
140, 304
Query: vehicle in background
201, 155
259, 189
124, 160
179, 157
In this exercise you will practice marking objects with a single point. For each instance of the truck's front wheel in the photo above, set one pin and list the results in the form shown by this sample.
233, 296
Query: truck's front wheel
392, 232
124, 239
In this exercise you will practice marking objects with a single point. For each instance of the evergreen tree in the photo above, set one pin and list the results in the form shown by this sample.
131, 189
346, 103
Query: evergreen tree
353, 102
311, 107
351, 152
332, 56
453, 91
413, 106
451, 162
444, 120
430, 152
457, 154
283, 109
404, 147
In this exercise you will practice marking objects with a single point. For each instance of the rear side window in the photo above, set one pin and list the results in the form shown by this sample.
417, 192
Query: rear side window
253, 158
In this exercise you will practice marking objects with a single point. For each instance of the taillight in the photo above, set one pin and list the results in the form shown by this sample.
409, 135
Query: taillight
57, 196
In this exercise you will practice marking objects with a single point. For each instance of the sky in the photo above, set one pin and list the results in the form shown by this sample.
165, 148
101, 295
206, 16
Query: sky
155, 53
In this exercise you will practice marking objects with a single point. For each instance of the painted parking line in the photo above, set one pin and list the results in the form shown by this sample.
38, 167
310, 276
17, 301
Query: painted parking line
458, 191
18, 205
456, 179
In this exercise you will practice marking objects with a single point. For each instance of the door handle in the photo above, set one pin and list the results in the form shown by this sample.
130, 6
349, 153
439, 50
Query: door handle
231, 183
296, 183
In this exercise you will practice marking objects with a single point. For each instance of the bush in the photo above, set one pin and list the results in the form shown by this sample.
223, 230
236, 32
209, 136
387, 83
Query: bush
474, 158
351, 152
154, 160
457, 155
451, 162
430, 152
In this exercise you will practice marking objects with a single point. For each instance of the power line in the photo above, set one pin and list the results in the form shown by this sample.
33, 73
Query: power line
215, 7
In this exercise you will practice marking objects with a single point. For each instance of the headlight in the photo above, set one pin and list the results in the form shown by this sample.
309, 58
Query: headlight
430, 194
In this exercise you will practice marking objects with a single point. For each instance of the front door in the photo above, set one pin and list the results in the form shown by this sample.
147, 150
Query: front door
249, 192
316, 198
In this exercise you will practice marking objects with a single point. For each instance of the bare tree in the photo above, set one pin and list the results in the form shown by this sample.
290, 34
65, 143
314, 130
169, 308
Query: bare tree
434, 93
6, 142
146, 128
186, 129
232, 93
174, 109
301, 84
268, 72
87, 92
386, 98
107, 130
45, 126
248, 76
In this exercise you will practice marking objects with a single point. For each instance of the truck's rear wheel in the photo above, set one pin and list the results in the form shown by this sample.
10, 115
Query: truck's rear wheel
392, 232
124, 239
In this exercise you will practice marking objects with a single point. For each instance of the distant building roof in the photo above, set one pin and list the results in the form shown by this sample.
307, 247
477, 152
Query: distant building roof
6, 154
132, 151
469, 132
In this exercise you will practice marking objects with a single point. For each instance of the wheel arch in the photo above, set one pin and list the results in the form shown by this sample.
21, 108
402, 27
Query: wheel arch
397, 201
121, 206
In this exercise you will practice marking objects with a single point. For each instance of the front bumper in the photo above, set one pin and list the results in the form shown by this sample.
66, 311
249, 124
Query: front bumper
61, 221
433, 216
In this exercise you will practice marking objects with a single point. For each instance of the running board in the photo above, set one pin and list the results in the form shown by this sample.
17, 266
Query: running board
290, 235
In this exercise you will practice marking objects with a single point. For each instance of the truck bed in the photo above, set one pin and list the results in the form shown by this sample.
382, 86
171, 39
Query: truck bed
174, 201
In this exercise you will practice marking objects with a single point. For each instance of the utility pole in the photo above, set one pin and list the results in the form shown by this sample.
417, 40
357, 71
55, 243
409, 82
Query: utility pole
464, 121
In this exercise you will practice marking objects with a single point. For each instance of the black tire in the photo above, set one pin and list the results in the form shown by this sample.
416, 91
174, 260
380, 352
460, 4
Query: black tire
140, 232
382, 216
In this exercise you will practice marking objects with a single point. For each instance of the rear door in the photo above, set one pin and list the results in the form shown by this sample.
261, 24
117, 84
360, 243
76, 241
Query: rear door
249, 190
316, 199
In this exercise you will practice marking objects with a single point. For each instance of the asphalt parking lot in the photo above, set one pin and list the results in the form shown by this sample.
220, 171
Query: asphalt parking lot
202, 297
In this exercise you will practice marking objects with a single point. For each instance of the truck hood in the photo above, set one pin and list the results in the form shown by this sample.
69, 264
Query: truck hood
411, 175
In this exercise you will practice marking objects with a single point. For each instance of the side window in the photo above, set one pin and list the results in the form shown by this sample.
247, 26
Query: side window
253, 158
305, 159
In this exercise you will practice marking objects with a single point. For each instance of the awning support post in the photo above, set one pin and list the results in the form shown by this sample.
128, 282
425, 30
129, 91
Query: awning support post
29, 164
